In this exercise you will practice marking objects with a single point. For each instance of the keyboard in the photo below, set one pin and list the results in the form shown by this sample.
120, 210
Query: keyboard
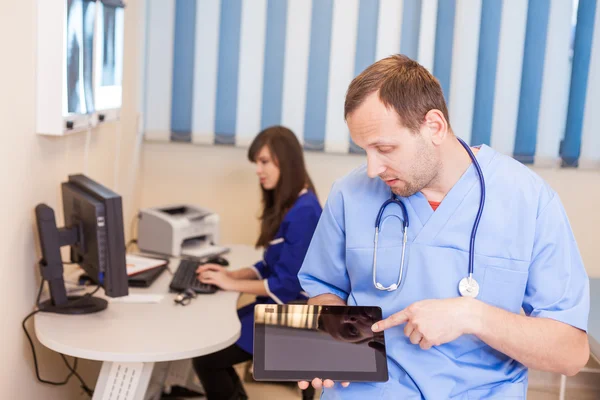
185, 278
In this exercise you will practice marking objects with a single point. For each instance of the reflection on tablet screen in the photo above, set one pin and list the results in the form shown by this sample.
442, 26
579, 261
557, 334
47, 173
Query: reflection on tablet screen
315, 338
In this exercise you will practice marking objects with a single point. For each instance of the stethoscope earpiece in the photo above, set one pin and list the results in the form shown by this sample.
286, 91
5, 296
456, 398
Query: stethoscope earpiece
389, 289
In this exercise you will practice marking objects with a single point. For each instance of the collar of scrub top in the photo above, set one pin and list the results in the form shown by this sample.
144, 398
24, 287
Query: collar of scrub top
392, 200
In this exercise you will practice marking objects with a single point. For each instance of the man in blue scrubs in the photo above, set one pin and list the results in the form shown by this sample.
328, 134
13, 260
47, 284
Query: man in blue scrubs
441, 345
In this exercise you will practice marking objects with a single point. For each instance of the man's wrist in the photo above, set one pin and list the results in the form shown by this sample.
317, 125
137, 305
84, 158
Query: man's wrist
473, 316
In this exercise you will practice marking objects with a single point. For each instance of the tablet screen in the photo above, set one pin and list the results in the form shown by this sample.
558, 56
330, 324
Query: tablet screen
295, 342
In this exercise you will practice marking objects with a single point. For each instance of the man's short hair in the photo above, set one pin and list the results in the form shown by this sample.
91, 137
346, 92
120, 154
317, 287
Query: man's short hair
404, 85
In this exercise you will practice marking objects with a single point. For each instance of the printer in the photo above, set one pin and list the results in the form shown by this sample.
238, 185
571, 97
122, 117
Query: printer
179, 230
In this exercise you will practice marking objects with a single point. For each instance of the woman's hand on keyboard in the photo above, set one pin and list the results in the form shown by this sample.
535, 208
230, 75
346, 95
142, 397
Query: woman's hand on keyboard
215, 274
210, 267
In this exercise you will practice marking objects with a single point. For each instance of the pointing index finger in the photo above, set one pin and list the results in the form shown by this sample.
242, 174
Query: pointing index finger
393, 320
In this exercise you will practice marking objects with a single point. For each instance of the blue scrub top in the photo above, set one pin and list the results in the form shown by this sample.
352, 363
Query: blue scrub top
281, 262
525, 257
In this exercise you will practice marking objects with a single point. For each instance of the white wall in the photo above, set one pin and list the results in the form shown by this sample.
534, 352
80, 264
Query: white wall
31, 170
221, 178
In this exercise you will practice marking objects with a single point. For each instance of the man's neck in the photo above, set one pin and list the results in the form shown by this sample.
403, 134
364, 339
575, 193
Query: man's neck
454, 163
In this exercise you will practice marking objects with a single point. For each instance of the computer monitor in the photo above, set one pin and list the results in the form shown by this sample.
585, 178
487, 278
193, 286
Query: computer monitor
94, 229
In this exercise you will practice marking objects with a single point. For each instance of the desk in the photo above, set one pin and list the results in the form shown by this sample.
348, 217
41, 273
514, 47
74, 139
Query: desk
129, 338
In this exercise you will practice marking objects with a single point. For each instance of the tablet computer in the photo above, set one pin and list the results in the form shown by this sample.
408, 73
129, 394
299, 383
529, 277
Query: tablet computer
302, 342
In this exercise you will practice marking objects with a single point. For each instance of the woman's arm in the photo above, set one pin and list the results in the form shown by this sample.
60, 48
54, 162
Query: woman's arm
247, 273
253, 286
245, 280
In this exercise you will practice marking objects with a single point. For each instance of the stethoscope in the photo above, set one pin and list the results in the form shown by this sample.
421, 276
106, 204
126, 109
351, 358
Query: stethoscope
468, 286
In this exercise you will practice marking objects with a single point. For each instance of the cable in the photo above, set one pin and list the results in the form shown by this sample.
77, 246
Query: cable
134, 234
73, 370
37, 373
132, 241
35, 361
169, 270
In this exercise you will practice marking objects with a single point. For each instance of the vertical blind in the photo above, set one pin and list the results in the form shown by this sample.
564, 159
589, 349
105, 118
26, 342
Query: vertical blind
521, 76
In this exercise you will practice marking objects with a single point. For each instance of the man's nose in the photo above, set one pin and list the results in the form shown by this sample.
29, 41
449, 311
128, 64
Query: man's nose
374, 166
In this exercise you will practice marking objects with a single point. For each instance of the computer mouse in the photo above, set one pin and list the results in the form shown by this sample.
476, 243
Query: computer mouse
218, 260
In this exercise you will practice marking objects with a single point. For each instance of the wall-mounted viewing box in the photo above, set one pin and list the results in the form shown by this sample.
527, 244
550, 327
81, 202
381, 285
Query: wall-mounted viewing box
79, 64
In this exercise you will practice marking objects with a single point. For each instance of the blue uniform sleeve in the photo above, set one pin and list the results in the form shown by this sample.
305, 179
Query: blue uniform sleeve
558, 285
261, 269
282, 283
324, 268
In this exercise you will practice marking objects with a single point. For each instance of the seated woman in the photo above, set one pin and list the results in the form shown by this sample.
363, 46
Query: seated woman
290, 214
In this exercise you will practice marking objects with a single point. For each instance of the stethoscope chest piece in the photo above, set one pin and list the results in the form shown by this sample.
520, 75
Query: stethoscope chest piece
468, 287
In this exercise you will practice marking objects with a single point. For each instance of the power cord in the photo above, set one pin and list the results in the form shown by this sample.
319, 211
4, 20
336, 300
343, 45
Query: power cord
73, 369
133, 227
132, 241
88, 391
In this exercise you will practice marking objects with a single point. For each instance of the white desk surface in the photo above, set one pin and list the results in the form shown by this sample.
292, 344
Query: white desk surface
594, 317
164, 331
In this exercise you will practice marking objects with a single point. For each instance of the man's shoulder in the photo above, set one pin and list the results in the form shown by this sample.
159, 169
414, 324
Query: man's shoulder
506, 176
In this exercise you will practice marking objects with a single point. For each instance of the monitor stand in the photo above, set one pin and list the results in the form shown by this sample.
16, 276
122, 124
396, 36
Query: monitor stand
51, 266
75, 305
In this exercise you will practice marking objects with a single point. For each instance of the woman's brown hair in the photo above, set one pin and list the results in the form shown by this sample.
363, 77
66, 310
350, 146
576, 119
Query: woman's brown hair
287, 154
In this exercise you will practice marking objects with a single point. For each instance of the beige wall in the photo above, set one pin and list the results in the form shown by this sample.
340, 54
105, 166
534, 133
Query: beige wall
221, 178
32, 168
579, 191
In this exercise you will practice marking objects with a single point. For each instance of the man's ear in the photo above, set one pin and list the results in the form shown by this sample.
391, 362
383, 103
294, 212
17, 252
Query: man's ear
436, 125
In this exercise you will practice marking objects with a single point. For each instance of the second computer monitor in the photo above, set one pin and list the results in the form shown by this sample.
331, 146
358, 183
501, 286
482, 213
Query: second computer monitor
101, 250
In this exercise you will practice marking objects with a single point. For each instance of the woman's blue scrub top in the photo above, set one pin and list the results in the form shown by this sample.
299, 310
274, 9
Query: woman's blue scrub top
281, 262
525, 258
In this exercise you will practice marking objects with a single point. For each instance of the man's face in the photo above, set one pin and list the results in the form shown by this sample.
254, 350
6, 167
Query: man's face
349, 327
406, 161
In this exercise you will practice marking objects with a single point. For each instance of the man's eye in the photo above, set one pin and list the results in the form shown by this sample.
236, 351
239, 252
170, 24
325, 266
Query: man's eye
385, 149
